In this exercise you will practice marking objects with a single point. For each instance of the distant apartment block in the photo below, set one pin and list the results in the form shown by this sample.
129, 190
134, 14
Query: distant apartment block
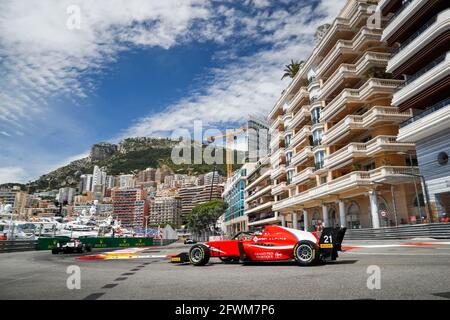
194, 195
258, 139
419, 32
165, 210
130, 206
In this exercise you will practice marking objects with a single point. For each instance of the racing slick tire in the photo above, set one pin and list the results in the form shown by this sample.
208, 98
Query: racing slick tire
55, 250
88, 248
306, 253
199, 255
229, 259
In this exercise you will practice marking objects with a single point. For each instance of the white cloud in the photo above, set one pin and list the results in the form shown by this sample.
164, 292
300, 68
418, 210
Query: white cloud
13, 174
250, 85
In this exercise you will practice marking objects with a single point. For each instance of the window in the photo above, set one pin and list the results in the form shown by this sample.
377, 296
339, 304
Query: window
287, 140
315, 115
290, 175
288, 157
319, 159
317, 137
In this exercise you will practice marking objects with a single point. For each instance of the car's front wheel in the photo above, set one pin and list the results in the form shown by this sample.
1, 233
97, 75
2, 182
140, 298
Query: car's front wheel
306, 253
199, 255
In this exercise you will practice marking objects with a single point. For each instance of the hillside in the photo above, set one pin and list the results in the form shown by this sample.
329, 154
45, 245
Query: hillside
131, 154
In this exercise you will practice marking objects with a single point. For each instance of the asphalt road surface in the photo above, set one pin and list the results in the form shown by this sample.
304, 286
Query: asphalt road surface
406, 272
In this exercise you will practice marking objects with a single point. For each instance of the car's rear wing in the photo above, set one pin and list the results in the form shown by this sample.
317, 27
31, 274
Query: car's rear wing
330, 242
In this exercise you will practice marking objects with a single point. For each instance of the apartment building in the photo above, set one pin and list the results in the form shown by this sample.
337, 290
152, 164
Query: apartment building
419, 30
258, 195
130, 206
165, 210
335, 156
194, 195
235, 218
258, 139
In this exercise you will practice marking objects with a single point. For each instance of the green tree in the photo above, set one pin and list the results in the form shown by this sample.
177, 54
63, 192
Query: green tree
291, 69
205, 215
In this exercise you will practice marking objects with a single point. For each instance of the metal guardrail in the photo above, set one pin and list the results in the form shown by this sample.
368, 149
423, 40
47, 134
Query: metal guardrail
433, 108
432, 230
17, 245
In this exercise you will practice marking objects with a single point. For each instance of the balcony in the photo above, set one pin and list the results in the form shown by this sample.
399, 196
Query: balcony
279, 188
373, 86
343, 26
299, 98
300, 136
277, 156
275, 139
303, 176
375, 116
347, 50
278, 171
352, 181
401, 16
423, 79
353, 71
420, 39
259, 207
300, 117
433, 120
345, 155
258, 192
302, 156
263, 219
261, 178
276, 124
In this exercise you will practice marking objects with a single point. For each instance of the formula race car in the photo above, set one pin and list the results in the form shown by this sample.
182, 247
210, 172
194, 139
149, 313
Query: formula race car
73, 246
274, 243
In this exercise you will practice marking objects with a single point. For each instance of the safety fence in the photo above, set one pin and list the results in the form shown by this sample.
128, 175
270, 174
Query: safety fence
17, 245
432, 230
97, 242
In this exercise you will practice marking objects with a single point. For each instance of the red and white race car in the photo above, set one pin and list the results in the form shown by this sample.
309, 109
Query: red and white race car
274, 243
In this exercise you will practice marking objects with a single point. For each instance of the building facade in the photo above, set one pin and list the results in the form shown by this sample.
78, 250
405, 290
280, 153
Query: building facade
235, 219
165, 210
130, 206
258, 139
335, 156
258, 196
419, 31
194, 195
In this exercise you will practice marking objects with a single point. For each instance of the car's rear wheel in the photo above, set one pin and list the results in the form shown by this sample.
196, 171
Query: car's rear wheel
55, 251
306, 253
199, 255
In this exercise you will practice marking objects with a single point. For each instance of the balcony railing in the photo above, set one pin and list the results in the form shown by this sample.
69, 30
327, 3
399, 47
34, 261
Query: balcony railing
428, 111
405, 4
414, 35
303, 176
261, 217
422, 71
346, 182
302, 155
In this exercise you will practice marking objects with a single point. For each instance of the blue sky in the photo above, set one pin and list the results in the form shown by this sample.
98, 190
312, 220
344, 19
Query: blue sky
138, 68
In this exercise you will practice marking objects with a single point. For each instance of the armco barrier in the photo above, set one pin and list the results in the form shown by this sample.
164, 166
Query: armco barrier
48, 243
17, 245
432, 230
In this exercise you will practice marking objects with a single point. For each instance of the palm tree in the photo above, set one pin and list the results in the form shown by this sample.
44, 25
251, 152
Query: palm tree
291, 69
